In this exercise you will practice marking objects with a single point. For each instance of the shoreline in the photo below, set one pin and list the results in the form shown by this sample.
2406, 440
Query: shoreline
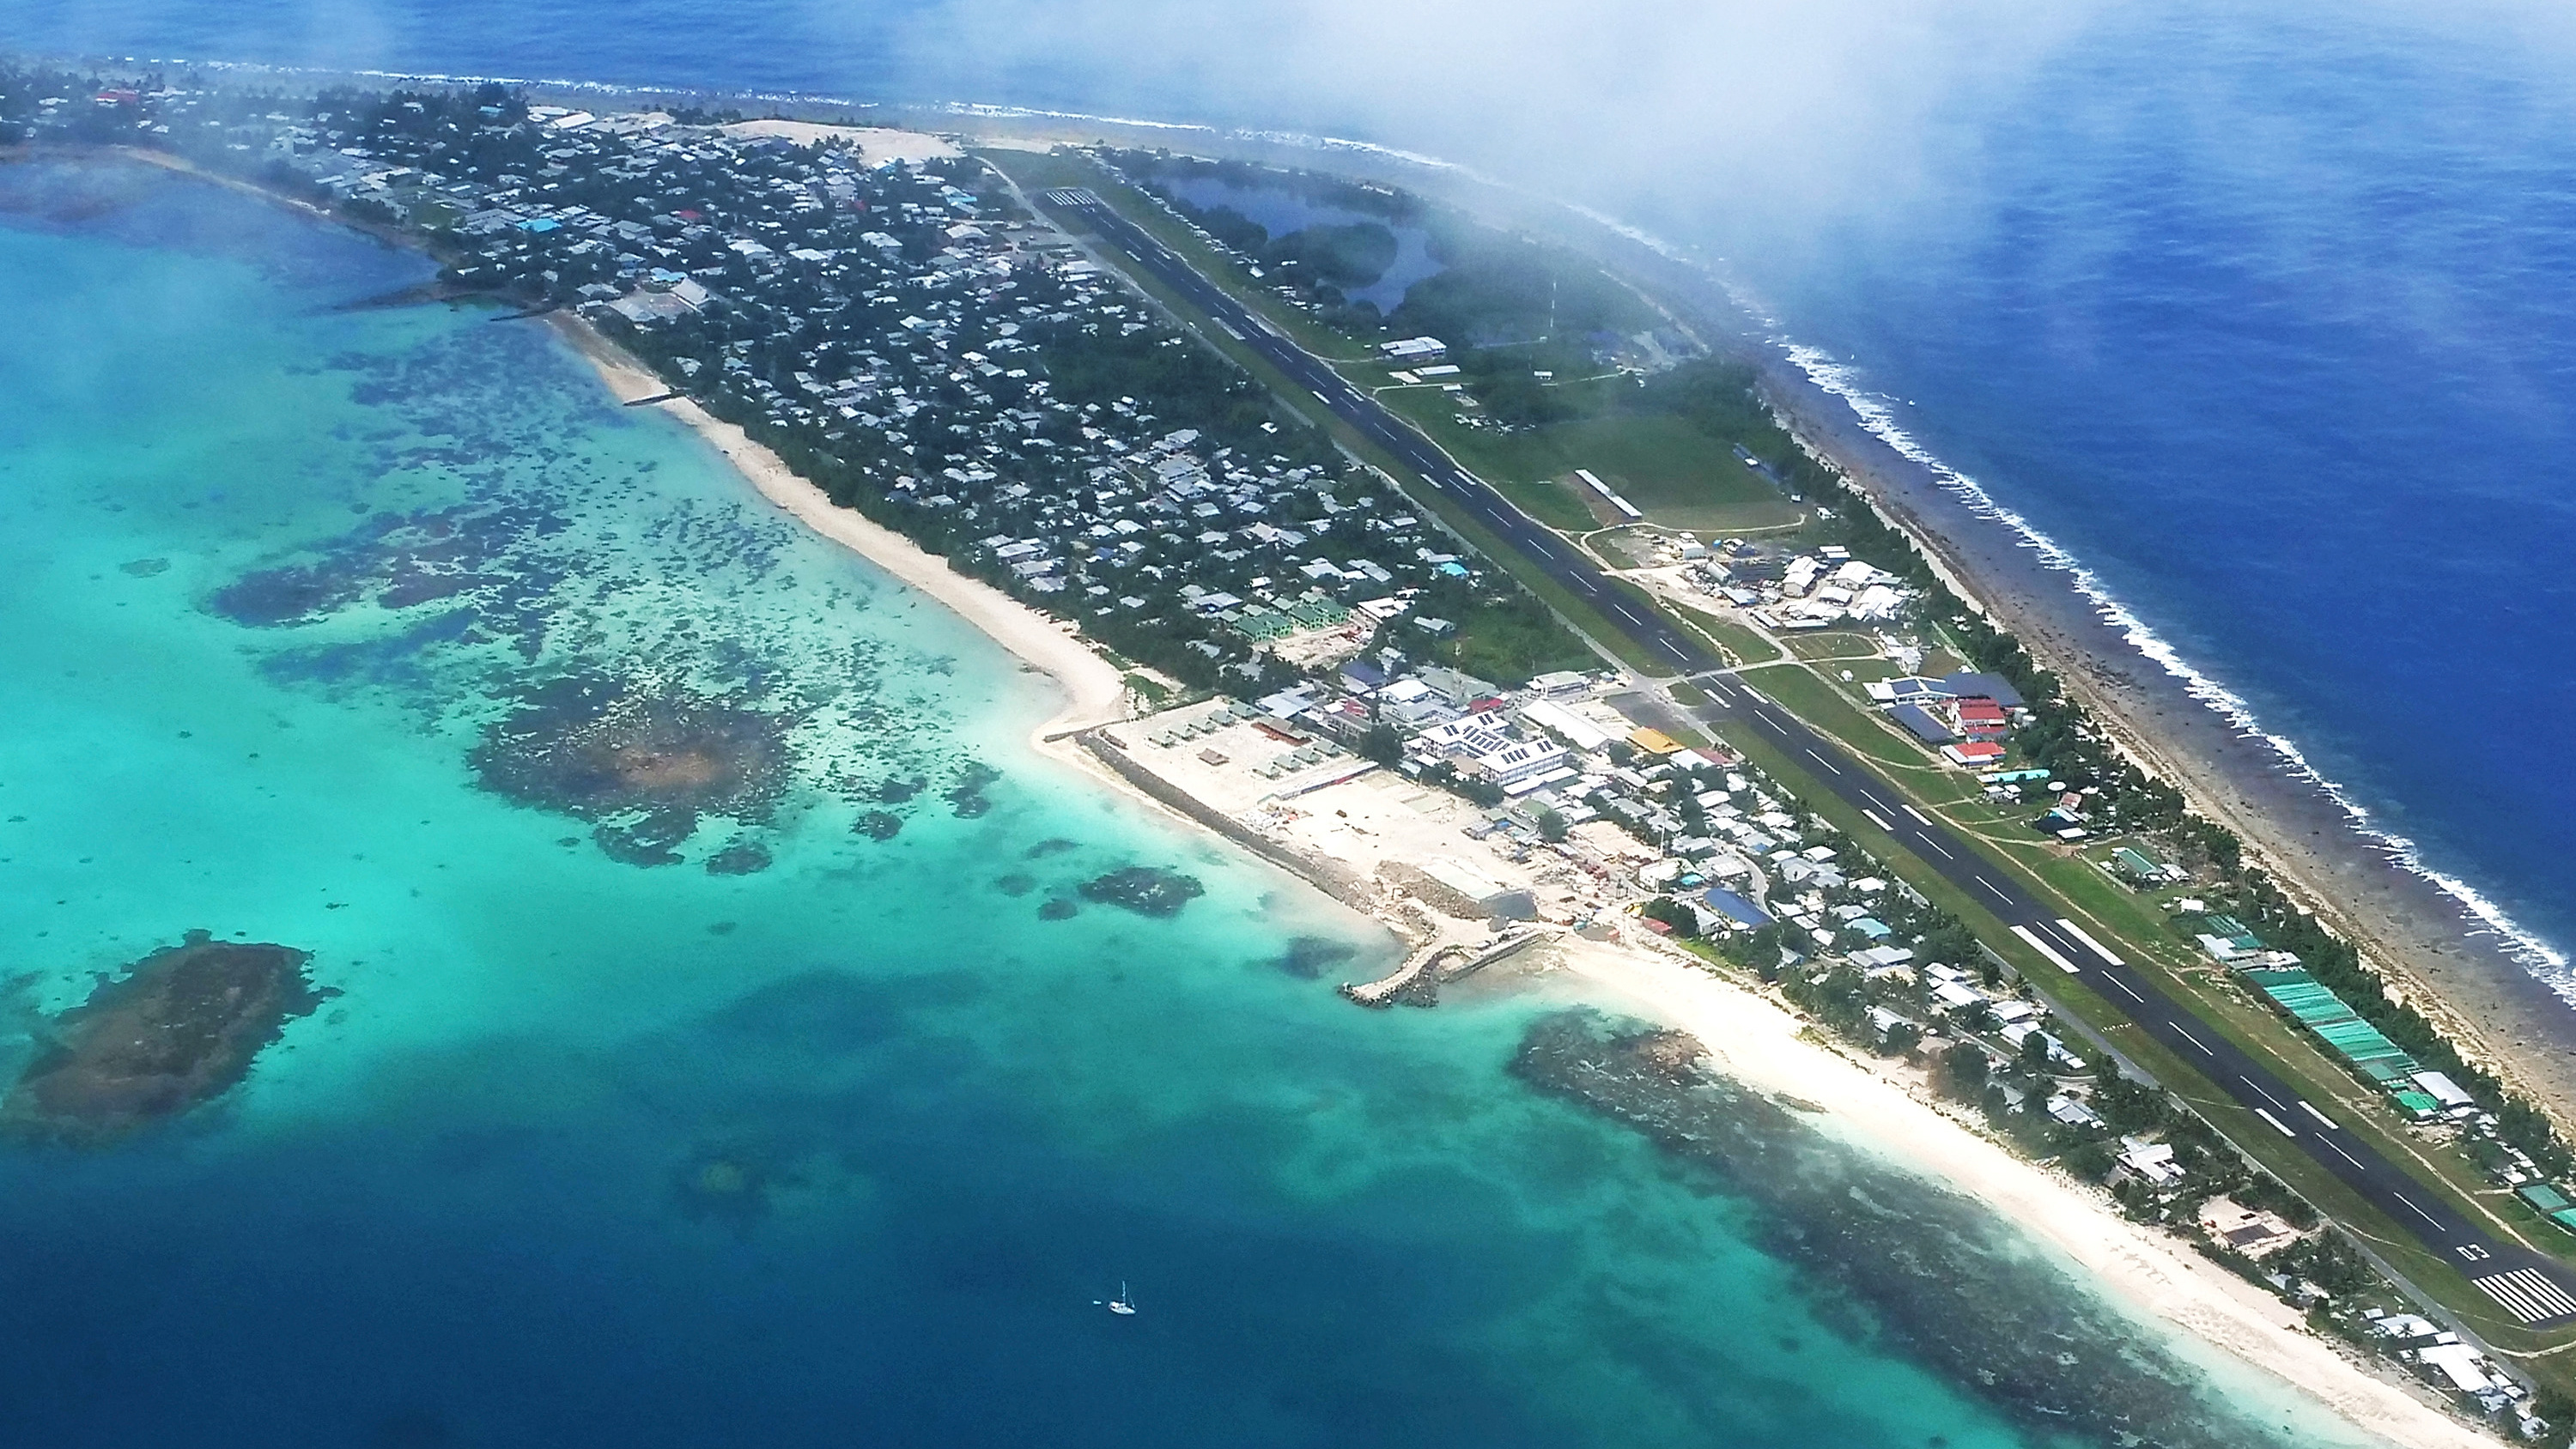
2192, 1297
1750, 1036
2152, 1275
2433, 952
1095, 692
1765, 1045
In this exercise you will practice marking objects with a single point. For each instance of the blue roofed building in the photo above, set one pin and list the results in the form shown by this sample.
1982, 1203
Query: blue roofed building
1735, 908
1923, 725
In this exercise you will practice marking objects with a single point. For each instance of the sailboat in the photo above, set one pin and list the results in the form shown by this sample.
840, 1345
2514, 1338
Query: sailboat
1124, 1303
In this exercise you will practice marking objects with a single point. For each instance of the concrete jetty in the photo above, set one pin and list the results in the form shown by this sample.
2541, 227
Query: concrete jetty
1427, 968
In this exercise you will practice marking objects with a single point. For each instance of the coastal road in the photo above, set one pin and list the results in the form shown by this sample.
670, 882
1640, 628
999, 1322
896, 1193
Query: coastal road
2536, 1290
1653, 636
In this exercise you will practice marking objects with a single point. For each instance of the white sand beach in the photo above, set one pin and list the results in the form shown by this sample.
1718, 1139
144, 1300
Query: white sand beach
1758, 1042
1750, 1036
1095, 692
875, 143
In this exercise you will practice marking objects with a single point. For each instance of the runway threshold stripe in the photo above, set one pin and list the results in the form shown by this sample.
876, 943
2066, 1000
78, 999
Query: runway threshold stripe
2331, 1124
2031, 938
1917, 814
2096, 947
1872, 817
2527, 1295
2277, 1124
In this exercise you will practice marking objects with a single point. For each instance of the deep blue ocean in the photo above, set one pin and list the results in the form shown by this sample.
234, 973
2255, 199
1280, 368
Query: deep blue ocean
2264, 320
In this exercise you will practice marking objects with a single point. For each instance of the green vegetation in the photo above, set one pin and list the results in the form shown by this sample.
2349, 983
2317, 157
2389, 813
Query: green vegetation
1666, 465
1504, 635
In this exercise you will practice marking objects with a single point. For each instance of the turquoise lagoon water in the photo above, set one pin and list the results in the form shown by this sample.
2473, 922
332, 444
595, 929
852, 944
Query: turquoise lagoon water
841, 1151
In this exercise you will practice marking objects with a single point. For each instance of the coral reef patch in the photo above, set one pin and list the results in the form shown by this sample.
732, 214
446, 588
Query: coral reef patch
1922, 1270
643, 762
1147, 890
179, 1028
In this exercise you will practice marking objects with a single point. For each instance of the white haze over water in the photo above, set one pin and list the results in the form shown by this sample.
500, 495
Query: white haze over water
1762, 127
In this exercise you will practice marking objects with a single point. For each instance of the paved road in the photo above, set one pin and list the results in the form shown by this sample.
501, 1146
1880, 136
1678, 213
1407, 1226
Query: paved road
1654, 636
2535, 1289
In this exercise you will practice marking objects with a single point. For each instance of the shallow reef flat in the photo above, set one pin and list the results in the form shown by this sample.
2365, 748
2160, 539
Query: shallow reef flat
1907, 1265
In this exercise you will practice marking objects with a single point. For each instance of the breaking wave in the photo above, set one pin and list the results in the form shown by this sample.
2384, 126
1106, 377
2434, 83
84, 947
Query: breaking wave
1843, 381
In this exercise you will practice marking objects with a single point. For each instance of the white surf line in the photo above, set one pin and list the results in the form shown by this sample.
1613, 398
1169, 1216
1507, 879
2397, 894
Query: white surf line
2277, 1124
2187, 1036
1842, 380
1917, 814
2031, 939
2096, 947
2411, 1207
2331, 1124
1872, 817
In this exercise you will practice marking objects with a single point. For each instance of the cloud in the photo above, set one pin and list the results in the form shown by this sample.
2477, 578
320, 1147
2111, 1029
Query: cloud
1774, 101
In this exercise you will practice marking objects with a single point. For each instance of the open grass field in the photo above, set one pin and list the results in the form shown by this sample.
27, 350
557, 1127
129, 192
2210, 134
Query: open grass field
1678, 475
